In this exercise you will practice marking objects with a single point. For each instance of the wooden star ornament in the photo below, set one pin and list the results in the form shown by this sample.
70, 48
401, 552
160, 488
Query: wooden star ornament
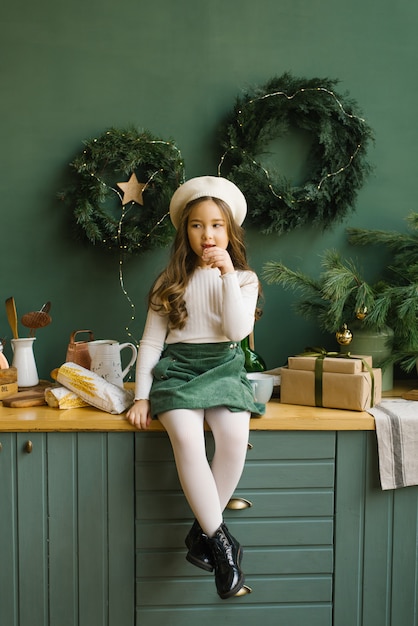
132, 190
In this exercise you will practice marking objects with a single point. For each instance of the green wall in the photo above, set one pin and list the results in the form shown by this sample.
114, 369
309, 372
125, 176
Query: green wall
72, 69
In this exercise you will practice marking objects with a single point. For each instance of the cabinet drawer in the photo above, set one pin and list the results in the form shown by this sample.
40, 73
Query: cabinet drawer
265, 503
239, 613
199, 591
155, 447
287, 474
258, 560
161, 535
162, 475
291, 445
287, 534
288, 503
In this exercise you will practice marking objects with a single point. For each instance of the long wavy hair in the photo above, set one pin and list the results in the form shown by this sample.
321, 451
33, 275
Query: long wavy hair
167, 293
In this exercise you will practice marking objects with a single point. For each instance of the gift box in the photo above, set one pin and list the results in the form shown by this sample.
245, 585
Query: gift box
333, 390
344, 364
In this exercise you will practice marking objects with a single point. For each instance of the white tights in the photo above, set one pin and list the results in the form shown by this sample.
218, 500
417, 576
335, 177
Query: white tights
208, 487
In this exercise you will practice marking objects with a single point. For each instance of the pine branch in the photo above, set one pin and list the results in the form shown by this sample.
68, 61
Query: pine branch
404, 246
362, 237
341, 291
277, 273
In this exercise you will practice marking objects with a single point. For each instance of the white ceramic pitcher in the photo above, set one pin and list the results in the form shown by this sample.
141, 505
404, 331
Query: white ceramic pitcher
24, 362
106, 359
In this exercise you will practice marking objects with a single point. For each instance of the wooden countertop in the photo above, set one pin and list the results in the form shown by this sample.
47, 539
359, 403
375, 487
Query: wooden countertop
278, 417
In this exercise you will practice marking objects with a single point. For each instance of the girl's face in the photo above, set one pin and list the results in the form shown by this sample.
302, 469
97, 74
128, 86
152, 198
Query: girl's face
206, 227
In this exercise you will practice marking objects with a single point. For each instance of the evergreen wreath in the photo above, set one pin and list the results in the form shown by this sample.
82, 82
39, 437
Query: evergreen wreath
115, 156
337, 157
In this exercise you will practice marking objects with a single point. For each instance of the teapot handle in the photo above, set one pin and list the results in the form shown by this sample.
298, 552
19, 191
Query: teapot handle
75, 332
133, 357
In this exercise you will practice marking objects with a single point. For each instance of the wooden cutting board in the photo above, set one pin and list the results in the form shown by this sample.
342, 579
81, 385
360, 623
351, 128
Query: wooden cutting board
411, 395
31, 396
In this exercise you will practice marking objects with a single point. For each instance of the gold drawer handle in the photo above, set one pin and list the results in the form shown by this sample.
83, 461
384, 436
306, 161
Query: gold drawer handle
29, 446
237, 504
243, 591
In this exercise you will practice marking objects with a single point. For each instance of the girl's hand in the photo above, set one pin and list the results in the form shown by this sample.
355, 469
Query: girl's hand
139, 414
218, 257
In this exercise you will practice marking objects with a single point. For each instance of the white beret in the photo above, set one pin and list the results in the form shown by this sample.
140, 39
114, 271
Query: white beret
212, 186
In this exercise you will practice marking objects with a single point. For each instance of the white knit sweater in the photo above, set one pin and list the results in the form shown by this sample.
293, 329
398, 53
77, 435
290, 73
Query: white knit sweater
220, 308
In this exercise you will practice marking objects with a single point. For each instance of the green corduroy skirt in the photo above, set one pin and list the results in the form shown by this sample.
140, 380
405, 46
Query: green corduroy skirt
202, 376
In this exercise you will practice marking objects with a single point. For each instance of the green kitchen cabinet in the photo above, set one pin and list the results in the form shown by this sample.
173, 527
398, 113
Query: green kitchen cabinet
282, 514
66, 529
376, 541
323, 544
92, 528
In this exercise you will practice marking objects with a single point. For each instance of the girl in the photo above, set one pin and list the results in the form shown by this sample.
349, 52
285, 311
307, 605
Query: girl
190, 365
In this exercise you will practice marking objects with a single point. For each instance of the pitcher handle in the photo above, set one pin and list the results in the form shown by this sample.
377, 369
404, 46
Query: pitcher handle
133, 358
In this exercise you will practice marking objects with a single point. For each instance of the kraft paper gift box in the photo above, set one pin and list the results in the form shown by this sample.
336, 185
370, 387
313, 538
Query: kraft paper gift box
346, 364
338, 391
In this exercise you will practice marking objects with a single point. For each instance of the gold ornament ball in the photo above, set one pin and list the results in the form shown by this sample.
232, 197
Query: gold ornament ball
361, 312
344, 335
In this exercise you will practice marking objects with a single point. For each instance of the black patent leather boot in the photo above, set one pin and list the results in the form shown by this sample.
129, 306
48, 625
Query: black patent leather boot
227, 555
200, 553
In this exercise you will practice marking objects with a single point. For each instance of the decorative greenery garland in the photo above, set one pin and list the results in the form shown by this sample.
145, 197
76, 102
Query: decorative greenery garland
119, 155
337, 156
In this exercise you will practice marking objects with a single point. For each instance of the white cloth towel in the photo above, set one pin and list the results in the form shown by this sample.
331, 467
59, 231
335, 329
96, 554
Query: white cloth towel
397, 441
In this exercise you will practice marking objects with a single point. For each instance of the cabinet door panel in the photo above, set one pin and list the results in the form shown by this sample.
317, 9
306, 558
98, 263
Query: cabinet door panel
32, 525
24, 530
376, 562
67, 545
9, 597
62, 492
92, 515
91, 497
121, 529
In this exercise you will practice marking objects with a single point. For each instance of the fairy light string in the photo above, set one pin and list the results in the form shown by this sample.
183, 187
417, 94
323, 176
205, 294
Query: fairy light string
285, 95
125, 209
126, 151
338, 156
139, 227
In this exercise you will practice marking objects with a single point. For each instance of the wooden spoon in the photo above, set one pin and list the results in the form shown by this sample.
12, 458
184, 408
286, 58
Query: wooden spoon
37, 319
12, 316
